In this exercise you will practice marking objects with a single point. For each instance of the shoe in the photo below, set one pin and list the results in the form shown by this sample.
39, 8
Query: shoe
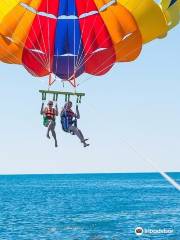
86, 145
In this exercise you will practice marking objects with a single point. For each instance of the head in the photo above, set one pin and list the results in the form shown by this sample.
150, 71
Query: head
68, 105
50, 104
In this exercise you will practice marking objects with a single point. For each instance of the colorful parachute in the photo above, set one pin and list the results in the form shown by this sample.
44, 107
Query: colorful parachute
70, 37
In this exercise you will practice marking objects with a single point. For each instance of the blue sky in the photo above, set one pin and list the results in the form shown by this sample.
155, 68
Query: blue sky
137, 102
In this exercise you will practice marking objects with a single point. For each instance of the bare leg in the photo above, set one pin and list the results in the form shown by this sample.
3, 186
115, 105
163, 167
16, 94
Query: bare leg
49, 129
54, 136
79, 134
52, 129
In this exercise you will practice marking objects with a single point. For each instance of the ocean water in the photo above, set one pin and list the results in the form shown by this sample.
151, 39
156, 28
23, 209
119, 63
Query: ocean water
88, 207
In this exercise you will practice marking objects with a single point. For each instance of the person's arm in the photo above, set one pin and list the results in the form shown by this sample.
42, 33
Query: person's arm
77, 115
42, 109
57, 111
62, 113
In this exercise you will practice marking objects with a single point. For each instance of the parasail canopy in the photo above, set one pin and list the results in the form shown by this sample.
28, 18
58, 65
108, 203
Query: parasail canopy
72, 37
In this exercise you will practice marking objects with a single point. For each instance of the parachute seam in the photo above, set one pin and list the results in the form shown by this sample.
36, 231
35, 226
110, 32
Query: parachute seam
68, 17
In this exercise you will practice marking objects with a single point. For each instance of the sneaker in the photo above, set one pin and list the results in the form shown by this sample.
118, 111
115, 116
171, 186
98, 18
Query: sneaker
86, 145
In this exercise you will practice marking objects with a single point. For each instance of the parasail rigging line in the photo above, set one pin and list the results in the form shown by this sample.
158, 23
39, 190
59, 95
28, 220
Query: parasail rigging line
82, 32
100, 71
48, 23
42, 57
22, 44
43, 39
87, 39
82, 63
74, 42
14, 56
46, 59
86, 60
81, 59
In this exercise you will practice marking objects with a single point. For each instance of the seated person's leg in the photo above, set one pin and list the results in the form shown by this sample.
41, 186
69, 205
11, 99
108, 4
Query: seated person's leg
50, 127
54, 133
79, 134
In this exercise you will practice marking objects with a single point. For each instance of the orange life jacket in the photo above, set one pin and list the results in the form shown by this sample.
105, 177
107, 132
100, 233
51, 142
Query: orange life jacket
50, 113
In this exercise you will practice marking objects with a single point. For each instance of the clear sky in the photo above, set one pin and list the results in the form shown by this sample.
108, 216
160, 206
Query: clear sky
138, 102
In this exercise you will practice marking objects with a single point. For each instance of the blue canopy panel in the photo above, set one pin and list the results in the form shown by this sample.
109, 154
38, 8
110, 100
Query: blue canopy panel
68, 43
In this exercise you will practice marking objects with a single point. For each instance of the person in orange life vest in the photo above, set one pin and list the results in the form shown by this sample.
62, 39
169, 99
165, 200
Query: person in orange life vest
49, 115
69, 122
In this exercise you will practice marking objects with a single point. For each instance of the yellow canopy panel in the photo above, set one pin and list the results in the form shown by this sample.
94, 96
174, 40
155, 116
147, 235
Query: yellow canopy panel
15, 23
149, 16
6, 6
172, 12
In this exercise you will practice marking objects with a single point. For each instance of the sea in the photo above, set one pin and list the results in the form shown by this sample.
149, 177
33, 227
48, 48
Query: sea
89, 207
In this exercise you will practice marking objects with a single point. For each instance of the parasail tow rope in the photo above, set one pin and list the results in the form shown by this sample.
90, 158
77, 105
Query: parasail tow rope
154, 166
148, 161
